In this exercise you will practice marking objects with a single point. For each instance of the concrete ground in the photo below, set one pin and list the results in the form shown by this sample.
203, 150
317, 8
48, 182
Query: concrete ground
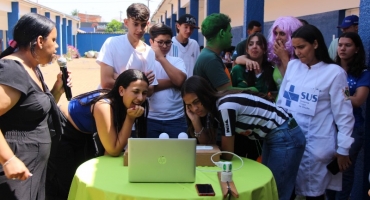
85, 75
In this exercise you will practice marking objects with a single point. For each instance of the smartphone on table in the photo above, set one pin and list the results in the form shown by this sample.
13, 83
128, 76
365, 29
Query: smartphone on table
205, 190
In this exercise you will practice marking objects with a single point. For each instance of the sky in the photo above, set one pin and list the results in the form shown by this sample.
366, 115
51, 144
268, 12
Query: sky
108, 9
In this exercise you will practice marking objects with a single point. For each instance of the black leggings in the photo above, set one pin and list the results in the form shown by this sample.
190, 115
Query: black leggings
71, 151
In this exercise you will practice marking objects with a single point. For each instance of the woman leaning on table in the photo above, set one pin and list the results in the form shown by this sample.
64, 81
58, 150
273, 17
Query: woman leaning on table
110, 113
315, 91
25, 106
247, 113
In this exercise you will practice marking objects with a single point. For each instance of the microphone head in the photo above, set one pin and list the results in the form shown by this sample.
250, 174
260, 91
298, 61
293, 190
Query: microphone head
164, 136
62, 61
183, 135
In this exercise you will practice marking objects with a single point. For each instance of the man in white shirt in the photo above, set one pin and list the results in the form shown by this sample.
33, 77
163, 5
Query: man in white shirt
183, 46
166, 112
127, 51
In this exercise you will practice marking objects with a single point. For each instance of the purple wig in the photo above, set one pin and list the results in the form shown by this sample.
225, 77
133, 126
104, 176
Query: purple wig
288, 25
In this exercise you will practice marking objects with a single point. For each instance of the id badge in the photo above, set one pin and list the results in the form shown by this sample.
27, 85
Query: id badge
300, 99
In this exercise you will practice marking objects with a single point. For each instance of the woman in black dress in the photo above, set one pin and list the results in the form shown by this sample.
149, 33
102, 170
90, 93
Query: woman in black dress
25, 106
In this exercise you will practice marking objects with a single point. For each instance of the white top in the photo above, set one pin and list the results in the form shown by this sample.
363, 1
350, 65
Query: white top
189, 53
328, 130
118, 53
167, 104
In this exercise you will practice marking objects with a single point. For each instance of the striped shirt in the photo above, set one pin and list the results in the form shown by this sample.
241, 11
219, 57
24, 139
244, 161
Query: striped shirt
248, 115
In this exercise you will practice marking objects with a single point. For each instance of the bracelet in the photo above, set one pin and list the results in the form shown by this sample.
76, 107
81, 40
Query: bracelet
8, 161
198, 134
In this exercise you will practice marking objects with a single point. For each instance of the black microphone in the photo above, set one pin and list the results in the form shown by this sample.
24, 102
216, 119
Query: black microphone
62, 62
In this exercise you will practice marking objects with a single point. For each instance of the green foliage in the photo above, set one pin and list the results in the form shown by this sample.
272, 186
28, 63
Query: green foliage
114, 27
75, 12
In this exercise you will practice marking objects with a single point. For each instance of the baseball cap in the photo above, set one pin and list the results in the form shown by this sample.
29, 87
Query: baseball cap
349, 21
189, 19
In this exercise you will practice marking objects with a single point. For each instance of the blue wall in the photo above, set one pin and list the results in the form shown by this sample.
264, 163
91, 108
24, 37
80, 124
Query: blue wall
91, 41
326, 22
200, 38
94, 41
1, 40
237, 35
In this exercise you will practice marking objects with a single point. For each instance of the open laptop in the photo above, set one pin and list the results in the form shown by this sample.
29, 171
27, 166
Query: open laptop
161, 160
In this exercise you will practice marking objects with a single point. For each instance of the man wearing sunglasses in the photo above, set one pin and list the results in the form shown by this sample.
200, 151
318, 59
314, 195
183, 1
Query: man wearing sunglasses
166, 114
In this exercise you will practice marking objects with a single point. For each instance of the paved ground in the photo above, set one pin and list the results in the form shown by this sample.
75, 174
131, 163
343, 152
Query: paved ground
85, 75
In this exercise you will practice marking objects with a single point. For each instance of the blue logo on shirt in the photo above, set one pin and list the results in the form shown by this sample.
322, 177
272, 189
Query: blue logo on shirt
290, 96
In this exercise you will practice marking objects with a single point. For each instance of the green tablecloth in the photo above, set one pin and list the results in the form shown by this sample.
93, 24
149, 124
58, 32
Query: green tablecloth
105, 178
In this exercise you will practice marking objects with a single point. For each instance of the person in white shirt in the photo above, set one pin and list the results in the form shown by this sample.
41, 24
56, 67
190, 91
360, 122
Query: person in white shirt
183, 46
166, 113
127, 51
315, 91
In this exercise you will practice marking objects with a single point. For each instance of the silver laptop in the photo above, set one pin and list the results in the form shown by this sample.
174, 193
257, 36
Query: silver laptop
161, 160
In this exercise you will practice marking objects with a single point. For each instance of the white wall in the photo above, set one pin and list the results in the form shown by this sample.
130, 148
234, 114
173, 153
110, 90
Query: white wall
24, 9
234, 9
4, 21
5, 6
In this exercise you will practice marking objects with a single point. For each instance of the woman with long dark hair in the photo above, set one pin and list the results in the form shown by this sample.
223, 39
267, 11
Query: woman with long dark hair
260, 79
25, 106
351, 57
315, 91
243, 112
110, 113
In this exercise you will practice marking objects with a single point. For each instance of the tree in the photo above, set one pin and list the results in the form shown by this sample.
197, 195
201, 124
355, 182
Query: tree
75, 12
114, 27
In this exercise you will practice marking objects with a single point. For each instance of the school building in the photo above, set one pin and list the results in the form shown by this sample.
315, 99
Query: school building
12, 10
326, 15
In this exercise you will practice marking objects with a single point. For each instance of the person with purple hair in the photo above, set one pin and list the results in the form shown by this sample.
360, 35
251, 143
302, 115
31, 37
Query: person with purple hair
279, 47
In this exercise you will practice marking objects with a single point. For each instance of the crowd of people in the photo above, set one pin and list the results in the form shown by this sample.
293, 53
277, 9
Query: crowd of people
286, 98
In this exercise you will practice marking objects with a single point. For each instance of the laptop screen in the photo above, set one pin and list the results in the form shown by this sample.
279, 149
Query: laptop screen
161, 160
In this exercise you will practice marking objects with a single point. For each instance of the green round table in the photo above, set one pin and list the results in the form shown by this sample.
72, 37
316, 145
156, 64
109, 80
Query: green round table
105, 178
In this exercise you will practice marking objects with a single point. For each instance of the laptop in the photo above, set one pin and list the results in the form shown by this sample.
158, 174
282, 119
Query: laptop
161, 160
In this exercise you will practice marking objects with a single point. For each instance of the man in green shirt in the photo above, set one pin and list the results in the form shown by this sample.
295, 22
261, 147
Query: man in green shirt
209, 65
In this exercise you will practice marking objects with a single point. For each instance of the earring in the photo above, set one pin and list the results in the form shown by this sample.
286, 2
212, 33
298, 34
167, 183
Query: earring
41, 47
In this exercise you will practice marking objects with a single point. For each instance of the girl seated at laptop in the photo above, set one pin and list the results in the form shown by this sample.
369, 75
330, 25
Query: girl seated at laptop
250, 114
110, 113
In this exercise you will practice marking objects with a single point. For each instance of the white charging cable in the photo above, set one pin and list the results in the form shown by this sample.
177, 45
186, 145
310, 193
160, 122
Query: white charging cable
226, 166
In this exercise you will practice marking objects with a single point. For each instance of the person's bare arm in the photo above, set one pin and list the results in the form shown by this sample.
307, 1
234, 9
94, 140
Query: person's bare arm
163, 84
227, 144
249, 64
176, 76
203, 137
359, 97
282, 53
107, 76
112, 141
13, 167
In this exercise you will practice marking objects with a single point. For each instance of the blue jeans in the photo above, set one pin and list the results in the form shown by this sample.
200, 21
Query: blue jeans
282, 152
171, 127
348, 175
